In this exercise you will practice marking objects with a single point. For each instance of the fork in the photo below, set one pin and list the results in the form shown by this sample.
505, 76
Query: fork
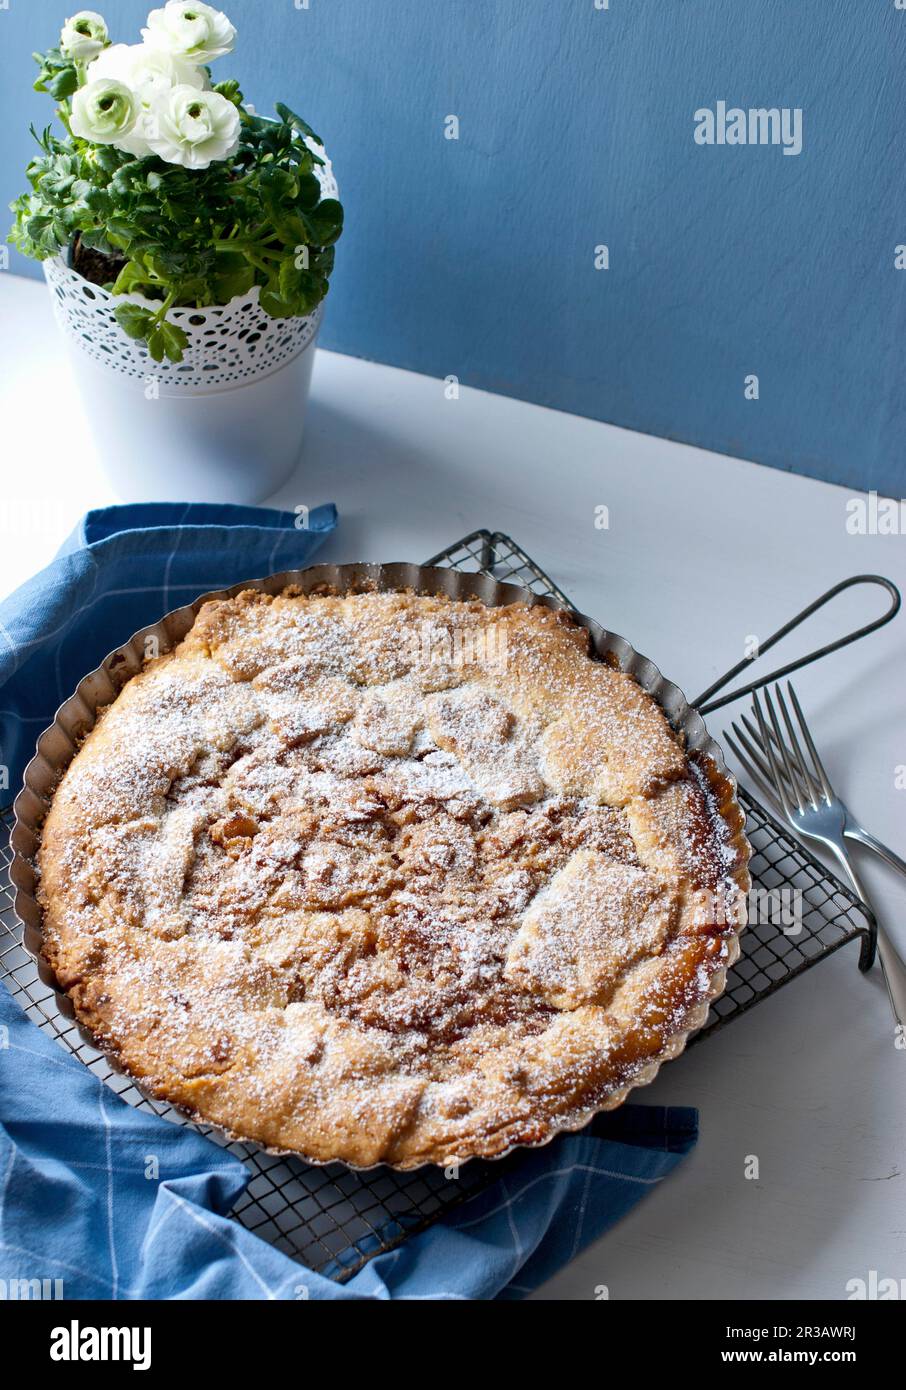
852, 829
813, 809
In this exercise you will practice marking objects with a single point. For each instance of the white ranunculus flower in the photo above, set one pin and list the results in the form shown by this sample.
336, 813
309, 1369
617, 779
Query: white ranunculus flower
149, 73
103, 112
197, 32
83, 36
193, 128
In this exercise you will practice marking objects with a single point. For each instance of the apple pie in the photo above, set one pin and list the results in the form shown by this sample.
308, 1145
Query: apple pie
384, 877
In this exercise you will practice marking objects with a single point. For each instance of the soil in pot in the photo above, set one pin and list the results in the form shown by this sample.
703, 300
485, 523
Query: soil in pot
95, 266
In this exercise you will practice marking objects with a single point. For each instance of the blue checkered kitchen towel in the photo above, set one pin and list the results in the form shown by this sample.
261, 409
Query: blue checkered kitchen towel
115, 1203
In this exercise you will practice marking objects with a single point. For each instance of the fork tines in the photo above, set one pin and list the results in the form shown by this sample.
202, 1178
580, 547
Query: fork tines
778, 763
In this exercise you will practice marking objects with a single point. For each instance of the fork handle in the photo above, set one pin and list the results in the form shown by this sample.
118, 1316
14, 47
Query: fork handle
849, 869
894, 970
865, 837
893, 966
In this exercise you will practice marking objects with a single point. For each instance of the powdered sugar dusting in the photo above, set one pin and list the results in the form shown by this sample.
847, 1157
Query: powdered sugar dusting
342, 902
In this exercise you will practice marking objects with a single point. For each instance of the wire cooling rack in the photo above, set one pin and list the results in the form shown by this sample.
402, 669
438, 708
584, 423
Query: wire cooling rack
333, 1219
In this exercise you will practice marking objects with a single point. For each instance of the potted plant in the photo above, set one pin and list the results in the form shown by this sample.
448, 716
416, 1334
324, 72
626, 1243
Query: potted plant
188, 244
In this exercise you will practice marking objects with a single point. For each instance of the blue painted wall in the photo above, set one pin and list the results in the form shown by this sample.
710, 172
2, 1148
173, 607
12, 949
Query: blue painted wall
476, 257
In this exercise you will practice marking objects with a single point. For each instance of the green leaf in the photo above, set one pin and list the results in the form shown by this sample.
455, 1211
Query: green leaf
322, 263
132, 277
107, 158
325, 222
175, 340
233, 281
302, 289
63, 84
292, 230
134, 320
35, 226
278, 186
297, 122
156, 344
309, 192
121, 230
231, 91
57, 75
98, 201
274, 306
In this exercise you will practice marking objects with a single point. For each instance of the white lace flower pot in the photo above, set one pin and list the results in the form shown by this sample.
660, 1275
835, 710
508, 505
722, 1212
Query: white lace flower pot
223, 425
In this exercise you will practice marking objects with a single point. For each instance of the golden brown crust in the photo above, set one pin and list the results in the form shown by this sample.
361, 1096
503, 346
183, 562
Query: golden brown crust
387, 877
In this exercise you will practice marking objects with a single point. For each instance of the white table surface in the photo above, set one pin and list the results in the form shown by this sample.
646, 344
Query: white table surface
702, 552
